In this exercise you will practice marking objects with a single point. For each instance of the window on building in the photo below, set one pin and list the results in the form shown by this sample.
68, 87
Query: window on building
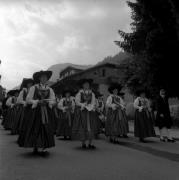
104, 72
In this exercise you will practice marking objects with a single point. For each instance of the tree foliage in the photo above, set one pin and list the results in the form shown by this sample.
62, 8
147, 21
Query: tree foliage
154, 43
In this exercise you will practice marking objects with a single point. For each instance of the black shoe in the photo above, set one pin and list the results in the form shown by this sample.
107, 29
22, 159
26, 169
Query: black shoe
84, 146
69, 138
44, 152
162, 140
170, 140
91, 146
111, 140
115, 141
35, 151
125, 136
142, 140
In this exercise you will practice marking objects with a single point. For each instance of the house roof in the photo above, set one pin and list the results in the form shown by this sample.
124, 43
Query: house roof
110, 65
75, 67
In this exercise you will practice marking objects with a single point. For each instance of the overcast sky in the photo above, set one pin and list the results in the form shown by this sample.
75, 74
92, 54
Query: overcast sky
35, 34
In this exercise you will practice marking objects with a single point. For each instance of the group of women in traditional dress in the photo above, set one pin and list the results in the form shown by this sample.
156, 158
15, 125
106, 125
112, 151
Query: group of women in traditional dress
37, 115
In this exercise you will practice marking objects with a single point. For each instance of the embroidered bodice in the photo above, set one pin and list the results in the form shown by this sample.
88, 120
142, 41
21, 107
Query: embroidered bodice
86, 97
41, 93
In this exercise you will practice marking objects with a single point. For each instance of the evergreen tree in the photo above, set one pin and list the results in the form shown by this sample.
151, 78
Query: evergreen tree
154, 42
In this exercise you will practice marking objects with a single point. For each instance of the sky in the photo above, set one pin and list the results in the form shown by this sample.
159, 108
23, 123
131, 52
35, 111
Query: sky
35, 34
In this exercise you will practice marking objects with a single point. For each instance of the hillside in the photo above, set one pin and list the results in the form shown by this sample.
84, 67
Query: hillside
116, 59
57, 68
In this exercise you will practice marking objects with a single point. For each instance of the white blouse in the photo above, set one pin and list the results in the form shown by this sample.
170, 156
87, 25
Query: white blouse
20, 99
82, 105
97, 105
9, 102
61, 103
34, 102
144, 103
111, 104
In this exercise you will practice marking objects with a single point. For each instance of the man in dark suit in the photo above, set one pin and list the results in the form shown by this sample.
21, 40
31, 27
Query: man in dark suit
163, 119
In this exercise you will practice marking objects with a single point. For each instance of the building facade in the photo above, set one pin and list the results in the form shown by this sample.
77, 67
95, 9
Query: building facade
103, 75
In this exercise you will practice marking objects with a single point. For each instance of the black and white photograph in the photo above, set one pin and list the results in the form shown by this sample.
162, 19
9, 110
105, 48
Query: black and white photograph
89, 90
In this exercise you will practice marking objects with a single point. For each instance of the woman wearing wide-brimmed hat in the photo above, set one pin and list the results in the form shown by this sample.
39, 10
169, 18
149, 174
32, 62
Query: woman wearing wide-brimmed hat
143, 124
100, 111
5, 108
11, 102
39, 132
21, 104
116, 122
85, 125
67, 107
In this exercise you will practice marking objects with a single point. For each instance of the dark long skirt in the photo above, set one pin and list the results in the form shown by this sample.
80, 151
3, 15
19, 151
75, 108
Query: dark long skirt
54, 118
85, 126
9, 121
18, 118
4, 115
36, 133
24, 125
116, 123
143, 125
65, 125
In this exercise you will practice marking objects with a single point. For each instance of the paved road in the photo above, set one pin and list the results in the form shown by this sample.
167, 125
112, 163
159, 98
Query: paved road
128, 161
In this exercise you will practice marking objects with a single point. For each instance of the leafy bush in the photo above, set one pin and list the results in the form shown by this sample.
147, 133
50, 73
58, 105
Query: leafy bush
174, 110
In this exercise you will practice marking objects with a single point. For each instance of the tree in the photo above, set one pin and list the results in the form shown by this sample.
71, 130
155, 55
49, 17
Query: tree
154, 43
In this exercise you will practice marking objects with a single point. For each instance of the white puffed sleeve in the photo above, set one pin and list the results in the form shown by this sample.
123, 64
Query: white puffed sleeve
30, 97
136, 104
73, 103
78, 100
20, 98
92, 105
147, 103
109, 102
9, 102
122, 103
52, 98
93, 101
60, 104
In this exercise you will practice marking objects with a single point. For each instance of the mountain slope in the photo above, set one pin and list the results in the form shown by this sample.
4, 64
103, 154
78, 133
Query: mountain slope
57, 68
116, 59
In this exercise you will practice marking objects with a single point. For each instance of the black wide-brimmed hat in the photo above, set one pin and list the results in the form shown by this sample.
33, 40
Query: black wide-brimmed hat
140, 91
82, 81
121, 93
13, 92
38, 74
67, 90
114, 86
25, 82
98, 94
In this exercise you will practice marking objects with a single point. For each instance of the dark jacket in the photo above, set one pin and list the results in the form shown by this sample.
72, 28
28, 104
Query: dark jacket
163, 108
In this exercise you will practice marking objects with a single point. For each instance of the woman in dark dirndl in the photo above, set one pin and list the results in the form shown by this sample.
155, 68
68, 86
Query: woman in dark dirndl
85, 125
11, 103
100, 111
116, 122
56, 114
143, 124
21, 104
67, 107
5, 108
163, 118
39, 131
